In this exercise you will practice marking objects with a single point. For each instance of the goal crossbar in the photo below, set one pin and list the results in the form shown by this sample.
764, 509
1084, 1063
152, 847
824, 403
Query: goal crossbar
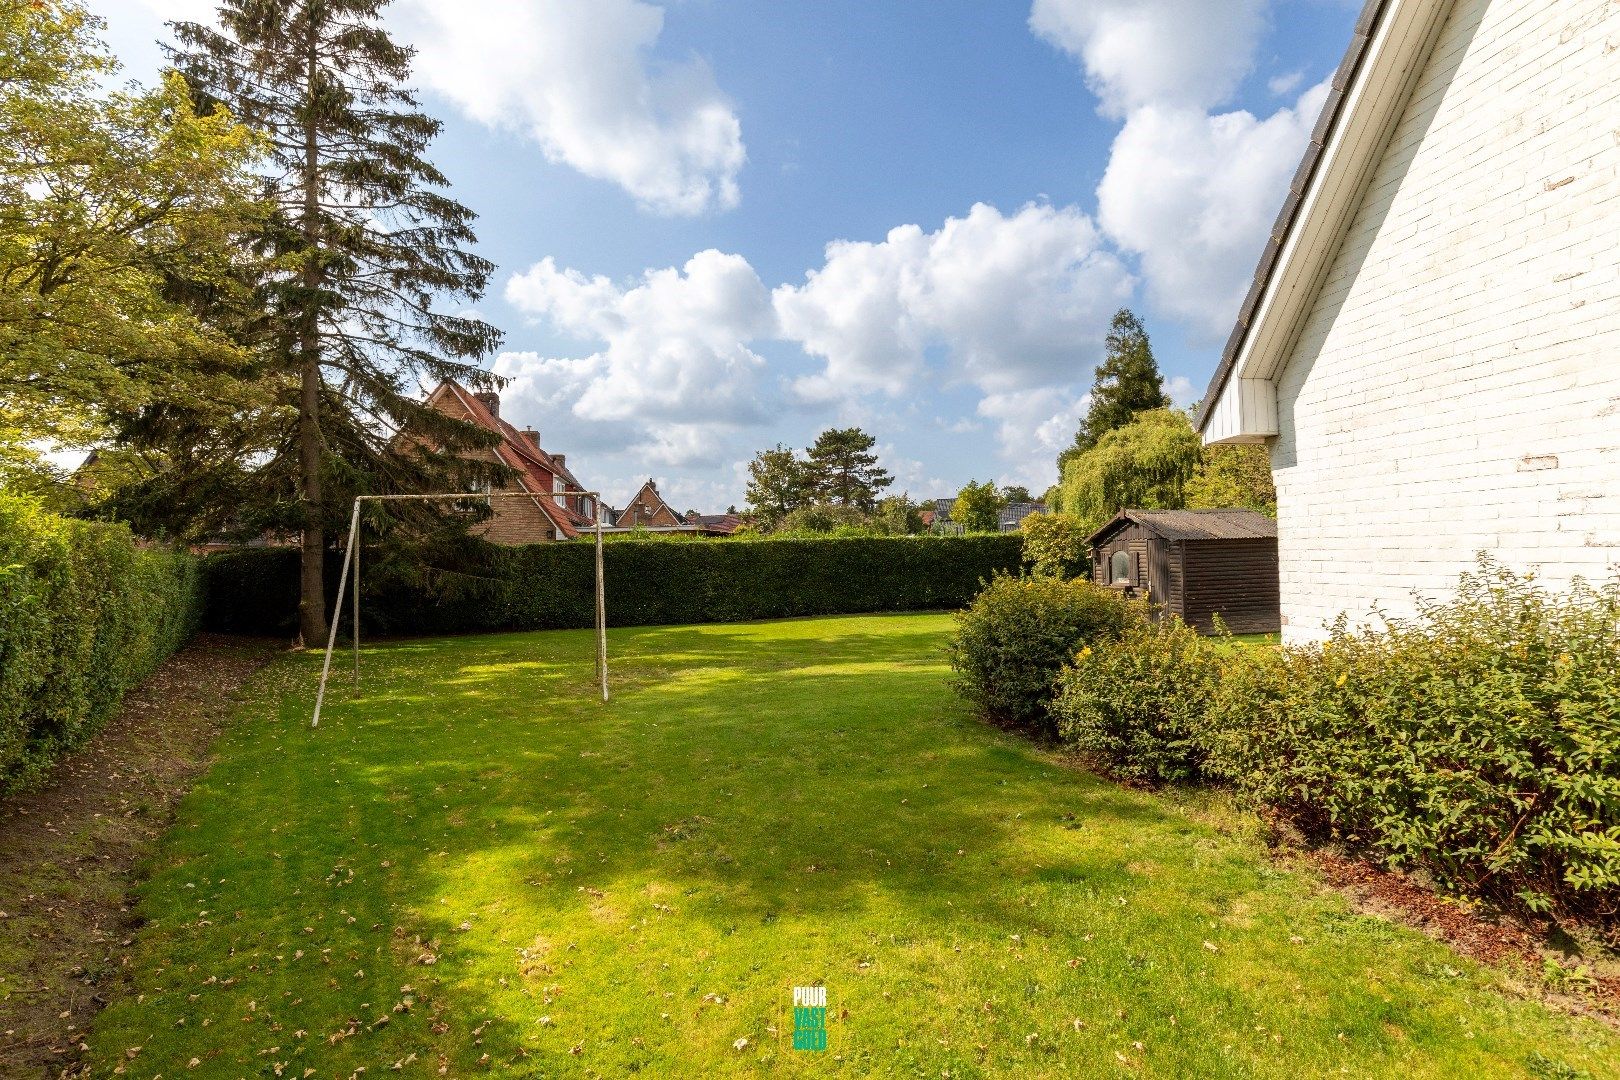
351, 555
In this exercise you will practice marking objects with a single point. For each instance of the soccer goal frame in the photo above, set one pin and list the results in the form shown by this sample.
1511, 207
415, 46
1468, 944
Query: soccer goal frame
351, 555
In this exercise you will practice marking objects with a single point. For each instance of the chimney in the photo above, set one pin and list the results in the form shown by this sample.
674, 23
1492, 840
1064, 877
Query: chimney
561, 460
534, 438
491, 401
651, 486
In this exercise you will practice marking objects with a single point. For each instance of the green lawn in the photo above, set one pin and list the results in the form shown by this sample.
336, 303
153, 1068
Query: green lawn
1256, 640
475, 858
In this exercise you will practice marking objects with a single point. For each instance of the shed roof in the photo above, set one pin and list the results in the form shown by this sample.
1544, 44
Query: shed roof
1223, 524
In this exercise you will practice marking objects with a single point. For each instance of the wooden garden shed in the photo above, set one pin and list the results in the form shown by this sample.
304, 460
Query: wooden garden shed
1195, 564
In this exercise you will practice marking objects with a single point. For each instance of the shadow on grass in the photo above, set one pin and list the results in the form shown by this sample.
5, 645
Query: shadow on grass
747, 775
473, 855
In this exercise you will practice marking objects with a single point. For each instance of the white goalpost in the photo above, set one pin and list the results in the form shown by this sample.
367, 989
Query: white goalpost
351, 555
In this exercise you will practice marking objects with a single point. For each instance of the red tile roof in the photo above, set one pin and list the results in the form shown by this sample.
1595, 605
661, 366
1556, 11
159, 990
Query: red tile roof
535, 467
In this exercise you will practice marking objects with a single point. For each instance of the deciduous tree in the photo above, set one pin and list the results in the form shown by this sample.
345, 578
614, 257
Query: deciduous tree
778, 484
113, 206
1233, 476
898, 515
978, 507
1016, 493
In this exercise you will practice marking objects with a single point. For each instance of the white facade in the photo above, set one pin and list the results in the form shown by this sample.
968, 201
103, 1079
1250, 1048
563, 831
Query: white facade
1449, 381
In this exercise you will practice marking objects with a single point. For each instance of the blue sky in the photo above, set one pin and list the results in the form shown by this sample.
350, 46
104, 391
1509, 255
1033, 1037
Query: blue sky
724, 224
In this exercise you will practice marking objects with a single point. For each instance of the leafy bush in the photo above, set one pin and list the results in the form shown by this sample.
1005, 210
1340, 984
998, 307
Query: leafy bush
84, 615
821, 518
1479, 741
1138, 705
648, 582
1014, 639
1056, 545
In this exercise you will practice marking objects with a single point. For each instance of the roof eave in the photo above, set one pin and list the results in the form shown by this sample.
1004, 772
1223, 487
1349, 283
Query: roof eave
1390, 46
1122, 518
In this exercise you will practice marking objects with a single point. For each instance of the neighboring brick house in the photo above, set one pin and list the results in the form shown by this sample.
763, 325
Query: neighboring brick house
648, 510
521, 521
1431, 346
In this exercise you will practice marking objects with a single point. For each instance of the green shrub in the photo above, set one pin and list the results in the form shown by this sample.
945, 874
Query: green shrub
84, 615
648, 582
1137, 705
1479, 741
822, 518
1014, 639
1056, 545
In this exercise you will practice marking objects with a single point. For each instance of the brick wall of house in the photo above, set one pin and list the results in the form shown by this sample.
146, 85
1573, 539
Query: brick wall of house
1456, 387
514, 521
518, 521
648, 510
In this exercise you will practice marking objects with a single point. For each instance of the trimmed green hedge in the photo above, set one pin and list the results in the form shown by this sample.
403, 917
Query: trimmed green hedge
1477, 742
84, 615
550, 586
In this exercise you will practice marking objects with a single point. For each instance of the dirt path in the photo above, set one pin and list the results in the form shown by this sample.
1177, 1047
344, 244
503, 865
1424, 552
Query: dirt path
70, 852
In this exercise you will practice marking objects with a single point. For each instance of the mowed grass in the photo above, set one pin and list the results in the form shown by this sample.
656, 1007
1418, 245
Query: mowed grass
474, 866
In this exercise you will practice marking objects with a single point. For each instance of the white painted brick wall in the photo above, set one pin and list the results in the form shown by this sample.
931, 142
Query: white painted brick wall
1456, 387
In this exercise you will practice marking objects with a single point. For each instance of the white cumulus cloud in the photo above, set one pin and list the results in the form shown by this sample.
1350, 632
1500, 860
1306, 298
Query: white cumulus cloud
579, 76
1189, 190
1155, 52
1194, 196
674, 364
1008, 302
1032, 426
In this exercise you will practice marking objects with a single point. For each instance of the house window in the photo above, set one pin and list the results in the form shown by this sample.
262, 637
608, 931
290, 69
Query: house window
1121, 568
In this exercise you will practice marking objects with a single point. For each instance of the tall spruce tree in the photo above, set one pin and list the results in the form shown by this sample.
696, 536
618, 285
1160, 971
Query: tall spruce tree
363, 244
1128, 383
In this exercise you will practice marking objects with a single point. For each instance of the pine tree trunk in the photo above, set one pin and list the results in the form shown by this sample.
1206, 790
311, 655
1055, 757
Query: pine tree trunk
312, 583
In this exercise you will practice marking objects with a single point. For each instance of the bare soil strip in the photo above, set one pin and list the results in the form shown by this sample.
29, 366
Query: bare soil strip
72, 851
1479, 933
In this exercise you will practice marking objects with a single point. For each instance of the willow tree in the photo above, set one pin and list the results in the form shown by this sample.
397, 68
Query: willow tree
365, 247
1144, 465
